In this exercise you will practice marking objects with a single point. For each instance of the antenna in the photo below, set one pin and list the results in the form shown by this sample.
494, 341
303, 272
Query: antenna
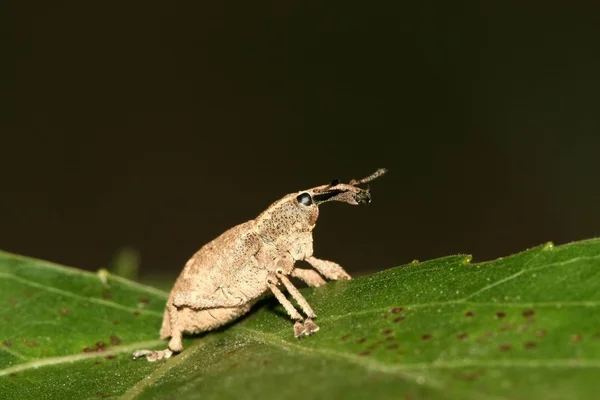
369, 178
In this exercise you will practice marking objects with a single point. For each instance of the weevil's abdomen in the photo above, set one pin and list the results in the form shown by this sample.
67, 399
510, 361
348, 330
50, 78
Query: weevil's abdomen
209, 319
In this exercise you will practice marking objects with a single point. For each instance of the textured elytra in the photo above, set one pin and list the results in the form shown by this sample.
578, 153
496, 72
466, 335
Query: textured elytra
226, 277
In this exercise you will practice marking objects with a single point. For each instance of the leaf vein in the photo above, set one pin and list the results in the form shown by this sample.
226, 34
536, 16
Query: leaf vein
76, 296
77, 357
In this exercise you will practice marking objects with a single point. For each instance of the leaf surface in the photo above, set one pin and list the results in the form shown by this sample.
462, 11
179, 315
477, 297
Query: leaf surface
521, 327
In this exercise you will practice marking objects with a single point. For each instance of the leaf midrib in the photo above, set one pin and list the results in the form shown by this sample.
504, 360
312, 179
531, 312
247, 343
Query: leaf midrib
78, 357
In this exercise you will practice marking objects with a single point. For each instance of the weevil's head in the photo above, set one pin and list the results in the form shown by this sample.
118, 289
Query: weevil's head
298, 212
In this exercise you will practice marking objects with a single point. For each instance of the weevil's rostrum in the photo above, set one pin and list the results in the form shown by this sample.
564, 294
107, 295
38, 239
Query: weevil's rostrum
228, 275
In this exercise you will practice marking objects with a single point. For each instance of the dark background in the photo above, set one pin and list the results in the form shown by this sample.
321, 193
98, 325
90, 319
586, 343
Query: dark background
158, 125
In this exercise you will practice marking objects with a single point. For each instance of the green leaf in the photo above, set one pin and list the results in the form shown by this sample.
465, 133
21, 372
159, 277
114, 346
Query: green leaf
522, 327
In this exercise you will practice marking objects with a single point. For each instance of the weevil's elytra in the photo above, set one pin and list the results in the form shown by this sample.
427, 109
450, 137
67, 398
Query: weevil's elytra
227, 276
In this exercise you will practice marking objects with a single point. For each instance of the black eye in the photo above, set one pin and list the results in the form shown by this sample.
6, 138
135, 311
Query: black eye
304, 199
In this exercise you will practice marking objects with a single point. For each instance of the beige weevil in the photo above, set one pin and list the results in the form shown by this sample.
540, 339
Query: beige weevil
227, 276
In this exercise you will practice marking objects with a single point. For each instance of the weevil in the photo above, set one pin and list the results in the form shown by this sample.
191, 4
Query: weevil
227, 276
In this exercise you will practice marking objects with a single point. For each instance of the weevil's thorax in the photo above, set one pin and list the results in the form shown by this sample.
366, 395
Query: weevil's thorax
288, 223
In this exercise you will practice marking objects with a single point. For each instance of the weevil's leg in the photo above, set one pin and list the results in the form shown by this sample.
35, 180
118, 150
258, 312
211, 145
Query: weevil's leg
153, 355
329, 269
296, 295
299, 329
309, 276
175, 345
309, 326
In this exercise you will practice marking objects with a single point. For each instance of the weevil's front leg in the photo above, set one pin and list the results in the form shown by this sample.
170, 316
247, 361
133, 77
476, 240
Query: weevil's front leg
329, 269
309, 276
292, 312
309, 326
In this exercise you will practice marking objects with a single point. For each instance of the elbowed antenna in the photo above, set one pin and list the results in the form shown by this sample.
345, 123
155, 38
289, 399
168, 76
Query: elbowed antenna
369, 178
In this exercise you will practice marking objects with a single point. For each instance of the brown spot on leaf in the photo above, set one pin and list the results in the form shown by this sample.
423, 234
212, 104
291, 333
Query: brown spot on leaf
345, 337
265, 362
392, 346
462, 336
116, 322
7, 343
396, 310
469, 314
530, 345
390, 338
361, 341
110, 357
528, 313
576, 338
102, 395
106, 294
64, 311
143, 300
12, 374
13, 301
30, 343
541, 332
505, 347
426, 336
500, 314
364, 353
469, 376
99, 346
399, 319
386, 331
114, 340
136, 313
384, 316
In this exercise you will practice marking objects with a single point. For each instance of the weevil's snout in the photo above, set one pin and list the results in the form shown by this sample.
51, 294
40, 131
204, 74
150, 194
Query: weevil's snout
346, 192
343, 193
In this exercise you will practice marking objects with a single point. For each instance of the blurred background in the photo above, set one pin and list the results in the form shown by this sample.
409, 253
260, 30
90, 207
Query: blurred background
143, 130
